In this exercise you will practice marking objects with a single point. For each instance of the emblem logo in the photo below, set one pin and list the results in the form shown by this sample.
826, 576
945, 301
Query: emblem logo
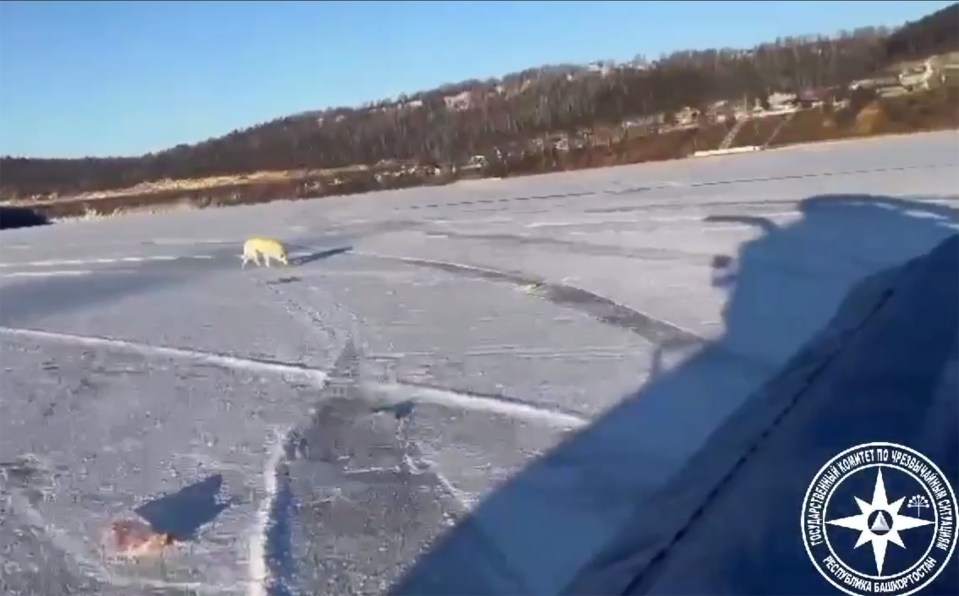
879, 518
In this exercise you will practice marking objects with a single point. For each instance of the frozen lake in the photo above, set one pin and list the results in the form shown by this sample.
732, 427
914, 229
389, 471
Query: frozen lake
312, 429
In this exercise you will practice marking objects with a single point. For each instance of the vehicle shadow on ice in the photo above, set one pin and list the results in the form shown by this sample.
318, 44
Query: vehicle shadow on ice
841, 328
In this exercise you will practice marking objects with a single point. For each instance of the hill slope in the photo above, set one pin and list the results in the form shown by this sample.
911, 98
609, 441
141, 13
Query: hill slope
500, 119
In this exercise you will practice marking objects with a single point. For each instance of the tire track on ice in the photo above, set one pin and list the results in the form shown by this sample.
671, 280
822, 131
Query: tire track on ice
150, 350
272, 565
380, 393
607, 311
267, 573
279, 572
499, 404
345, 386
664, 335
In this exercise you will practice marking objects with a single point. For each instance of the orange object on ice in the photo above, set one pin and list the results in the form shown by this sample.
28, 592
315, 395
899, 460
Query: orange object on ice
132, 538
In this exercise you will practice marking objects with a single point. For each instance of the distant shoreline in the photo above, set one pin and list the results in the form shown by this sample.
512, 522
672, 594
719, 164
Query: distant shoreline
802, 129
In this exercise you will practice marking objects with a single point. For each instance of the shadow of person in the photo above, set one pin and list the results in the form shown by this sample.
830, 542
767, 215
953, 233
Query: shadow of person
183, 513
791, 278
557, 526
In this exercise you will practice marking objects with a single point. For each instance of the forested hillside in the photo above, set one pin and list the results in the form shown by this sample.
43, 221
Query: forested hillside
455, 122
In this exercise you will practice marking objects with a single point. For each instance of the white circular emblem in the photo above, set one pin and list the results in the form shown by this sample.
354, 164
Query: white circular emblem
879, 518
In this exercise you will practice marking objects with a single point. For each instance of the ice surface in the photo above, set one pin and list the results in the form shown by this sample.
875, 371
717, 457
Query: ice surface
467, 331
111, 430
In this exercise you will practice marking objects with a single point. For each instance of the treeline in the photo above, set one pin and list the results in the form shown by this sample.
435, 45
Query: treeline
933, 34
454, 122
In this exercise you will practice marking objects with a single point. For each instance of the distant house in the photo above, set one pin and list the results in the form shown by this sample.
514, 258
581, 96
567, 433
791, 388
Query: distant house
687, 116
881, 82
458, 102
779, 100
811, 97
917, 77
949, 75
475, 163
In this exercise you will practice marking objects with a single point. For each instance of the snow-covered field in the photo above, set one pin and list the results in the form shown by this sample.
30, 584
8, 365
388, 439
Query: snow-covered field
312, 429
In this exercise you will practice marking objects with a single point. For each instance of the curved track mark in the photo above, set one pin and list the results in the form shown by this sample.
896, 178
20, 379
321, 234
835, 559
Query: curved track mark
599, 307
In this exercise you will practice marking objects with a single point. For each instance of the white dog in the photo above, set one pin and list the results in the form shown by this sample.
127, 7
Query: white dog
268, 247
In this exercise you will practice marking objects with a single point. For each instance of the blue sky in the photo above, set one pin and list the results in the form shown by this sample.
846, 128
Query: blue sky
124, 78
